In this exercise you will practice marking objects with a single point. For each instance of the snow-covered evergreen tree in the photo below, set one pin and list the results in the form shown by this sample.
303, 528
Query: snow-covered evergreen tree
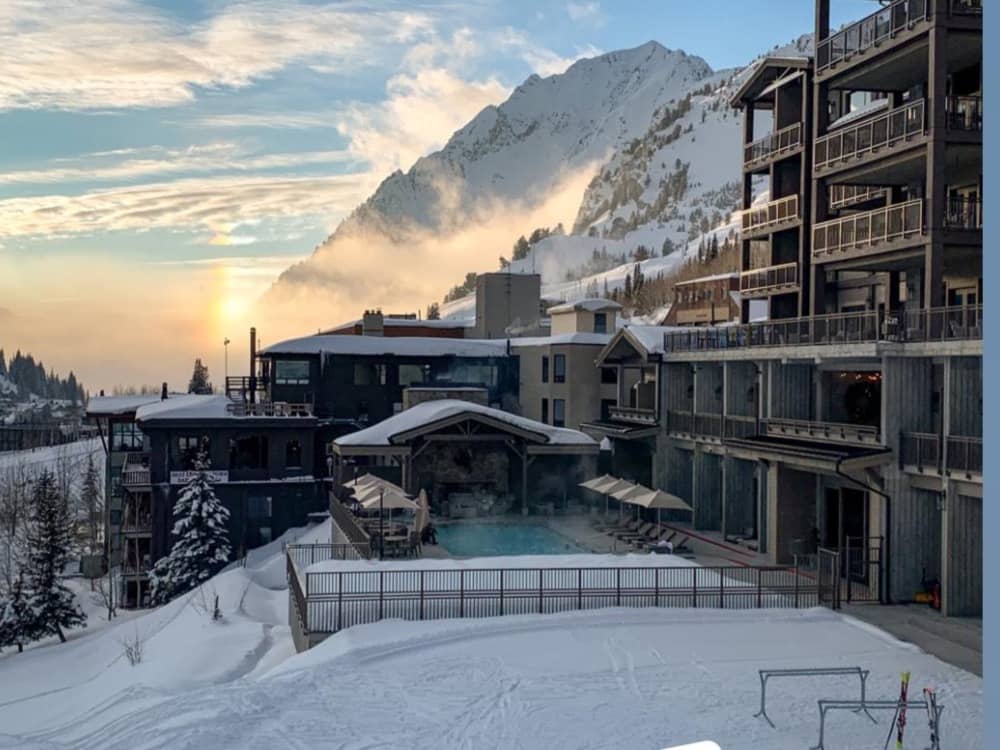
50, 544
199, 379
92, 504
17, 621
201, 540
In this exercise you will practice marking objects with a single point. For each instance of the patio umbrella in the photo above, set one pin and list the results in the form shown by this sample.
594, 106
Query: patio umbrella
611, 484
659, 499
365, 491
367, 480
389, 500
629, 495
596, 482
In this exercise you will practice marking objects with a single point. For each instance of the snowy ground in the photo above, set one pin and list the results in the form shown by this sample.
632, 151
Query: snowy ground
613, 678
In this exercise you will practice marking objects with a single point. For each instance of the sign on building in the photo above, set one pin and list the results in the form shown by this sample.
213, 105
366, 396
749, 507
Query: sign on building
183, 477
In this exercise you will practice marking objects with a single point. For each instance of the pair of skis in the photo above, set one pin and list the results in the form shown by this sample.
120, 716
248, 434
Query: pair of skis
930, 697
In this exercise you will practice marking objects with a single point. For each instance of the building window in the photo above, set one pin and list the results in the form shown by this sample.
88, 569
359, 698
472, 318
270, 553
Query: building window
559, 369
545, 410
125, 436
291, 372
293, 454
606, 404
545, 369
558, 412
248, 452
368, 374
412, 375
600, 322
258, 508
188, 448
609, 375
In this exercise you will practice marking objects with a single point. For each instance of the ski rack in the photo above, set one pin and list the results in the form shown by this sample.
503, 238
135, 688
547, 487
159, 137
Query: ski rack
841, 705
766, 674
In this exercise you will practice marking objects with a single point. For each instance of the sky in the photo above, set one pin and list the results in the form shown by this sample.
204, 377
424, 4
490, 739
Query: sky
162, 162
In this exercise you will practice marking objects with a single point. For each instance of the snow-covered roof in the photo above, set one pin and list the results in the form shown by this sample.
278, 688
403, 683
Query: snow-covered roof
859, 113
118, 405
593, 339
188, 406
429, 412
716, 277
781, 82
389, 322
403, 346
591, 304
649, 337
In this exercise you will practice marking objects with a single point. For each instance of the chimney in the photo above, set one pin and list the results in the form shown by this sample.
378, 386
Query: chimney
102, 393
163, 392
373, 323
253, 365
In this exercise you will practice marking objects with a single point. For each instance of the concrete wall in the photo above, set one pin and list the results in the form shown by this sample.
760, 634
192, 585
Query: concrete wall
583, 390
741, 379
738, 495
581, 321
966, 397
708, 389
790, 391
506, 298
962, 588
791, 510
707, 491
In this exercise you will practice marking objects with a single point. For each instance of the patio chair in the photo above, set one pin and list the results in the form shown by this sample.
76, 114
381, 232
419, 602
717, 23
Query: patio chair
639, 533
627, 528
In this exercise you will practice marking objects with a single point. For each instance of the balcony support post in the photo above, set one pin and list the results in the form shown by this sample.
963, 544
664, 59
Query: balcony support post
936, 198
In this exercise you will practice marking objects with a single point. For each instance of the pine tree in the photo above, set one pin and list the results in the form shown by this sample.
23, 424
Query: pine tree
199, 379
17, 626
92, 504
521, 248
3, 365
201, 539
433, 311
50, 542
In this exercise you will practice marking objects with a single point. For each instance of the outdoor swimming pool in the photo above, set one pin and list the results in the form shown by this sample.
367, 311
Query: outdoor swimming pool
491, 538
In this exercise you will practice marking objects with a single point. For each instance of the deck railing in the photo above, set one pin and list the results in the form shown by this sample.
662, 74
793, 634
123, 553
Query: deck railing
868, 229
964, 112
767, 216
826, 431
842, 196
779, 276
940, 323
135, 470
850, 142
965, 454
869, 32
708, 425
269, 409
680, 422
967, 7
328, 602
964, 213
633, 415
920, 449
740, 426
775, 144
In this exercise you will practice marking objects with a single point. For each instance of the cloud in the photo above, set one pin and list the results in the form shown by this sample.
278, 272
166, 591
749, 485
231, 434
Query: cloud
187, 204
589, 12
157, 160
118, 53
542, 61
270, 120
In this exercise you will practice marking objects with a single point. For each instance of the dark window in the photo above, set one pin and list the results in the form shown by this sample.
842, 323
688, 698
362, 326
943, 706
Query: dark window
600, 322
367, 374
559, 369
291, 372
258, 508
188, 448
606, 404
125, 436
412, 374
248, 452
545, 410
609, 375
545, 369
558, 412
293, 454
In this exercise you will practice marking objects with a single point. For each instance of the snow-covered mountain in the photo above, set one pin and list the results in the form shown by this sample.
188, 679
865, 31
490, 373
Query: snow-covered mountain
640, 144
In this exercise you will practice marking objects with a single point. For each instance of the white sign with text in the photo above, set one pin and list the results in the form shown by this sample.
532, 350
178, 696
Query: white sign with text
183, 477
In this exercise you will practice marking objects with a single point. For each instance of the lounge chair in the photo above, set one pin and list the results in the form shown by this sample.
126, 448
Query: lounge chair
628, 528
639, 533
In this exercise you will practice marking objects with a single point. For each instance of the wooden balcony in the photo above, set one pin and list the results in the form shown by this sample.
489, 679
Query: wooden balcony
868, 232
771, 216
633, 415
836, 432
773, 146
135, 470
850, 143
769, 279
872, 31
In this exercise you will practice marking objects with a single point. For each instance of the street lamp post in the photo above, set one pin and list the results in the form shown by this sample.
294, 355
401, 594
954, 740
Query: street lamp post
225, 346
381, 532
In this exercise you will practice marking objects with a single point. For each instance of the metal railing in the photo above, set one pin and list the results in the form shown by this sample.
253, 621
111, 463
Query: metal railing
868, 229
739, 427
238, 387
633, 414
826, 431
328, 602
350, 529
957, 323
869, 32
708, 425
920, 449
775, 144
964, 112
765, 217
770, 277
967, 7
680, 422
135, 470
963, 213
853, 141
965, 454
268, 409
842, 196
304, 555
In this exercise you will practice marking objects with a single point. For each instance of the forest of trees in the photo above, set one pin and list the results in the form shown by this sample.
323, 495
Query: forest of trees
31, 377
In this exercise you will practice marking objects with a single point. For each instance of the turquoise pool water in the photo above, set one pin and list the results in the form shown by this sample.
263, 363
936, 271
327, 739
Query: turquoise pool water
488, 539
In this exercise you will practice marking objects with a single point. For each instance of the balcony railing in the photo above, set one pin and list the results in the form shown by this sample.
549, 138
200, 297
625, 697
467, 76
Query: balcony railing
135, 470
632, 414
768, 278
842, 196
964, 112
269, 409
766, 217
964, 213
922, 450
238, 387
854, 141
868, 229
771, 146
869, 326
740, 426
680, 422
838, 432
708, 425
137, 524
869, 32
967, 7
